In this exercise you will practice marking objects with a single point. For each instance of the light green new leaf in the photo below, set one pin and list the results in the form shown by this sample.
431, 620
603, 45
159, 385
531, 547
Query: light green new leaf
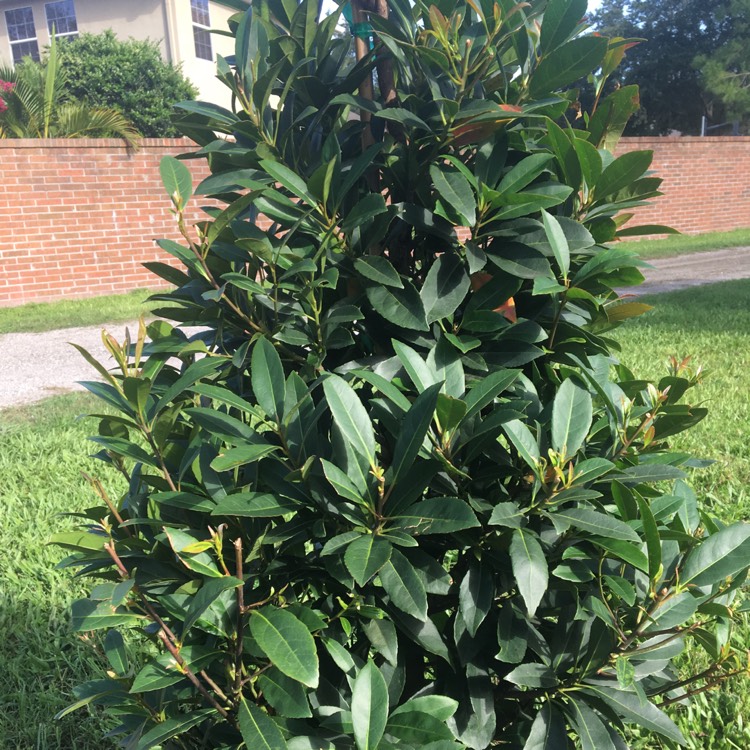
558, 242
369, 707
572, 412
259, 731
365, 556
350, 417
529, 568
178, 182
267, 377
287, 642
721, 555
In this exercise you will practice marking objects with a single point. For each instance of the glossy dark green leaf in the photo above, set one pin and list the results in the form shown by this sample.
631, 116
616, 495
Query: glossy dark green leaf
208, 594
402, 307
369, 707
445, 287
566, 64
254, 505
258, 729
560, 20
418, 729
624, 551
384, 639
622, 172
437, 515
220, 424
177, 180
572, 412
599, 524
244, 454
507, 514
116, 653
403, 586
92, 615
350, 416
287, 643
532, 676
173, 727
475, 596
529, 568
267, 375
523, 441
547, 731
378, 269
164, 670
721, 555
524, 173
365, 556
289, 179
558, 242
286, 696
367, 208
591, 730
455, 192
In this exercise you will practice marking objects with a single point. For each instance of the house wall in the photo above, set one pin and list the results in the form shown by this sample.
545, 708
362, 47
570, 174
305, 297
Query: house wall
79, 217
168, 22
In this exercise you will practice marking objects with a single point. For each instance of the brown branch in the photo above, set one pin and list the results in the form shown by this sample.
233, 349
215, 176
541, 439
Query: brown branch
238, 556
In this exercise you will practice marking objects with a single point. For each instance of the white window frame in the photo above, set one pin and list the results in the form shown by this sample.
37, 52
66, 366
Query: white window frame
15, 42
60, 34
205, 28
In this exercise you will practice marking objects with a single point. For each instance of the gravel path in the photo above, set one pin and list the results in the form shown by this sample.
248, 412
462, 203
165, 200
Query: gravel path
35, 366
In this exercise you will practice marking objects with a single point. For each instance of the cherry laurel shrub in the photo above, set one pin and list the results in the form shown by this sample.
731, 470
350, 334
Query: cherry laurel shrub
397, 491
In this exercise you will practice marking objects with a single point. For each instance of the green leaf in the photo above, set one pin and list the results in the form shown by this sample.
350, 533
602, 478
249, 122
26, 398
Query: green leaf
420, 729
289, 179
244, 454
413, 430
402, 116
404, 587
523, 173
558, 242
287, 643
230, 429
350, 417
455, 190
367, 208
591, 730
253, 505
369, 707
653, 541
164, 671
365, 556
208, 594
486, 389
383, 636
532, 676
421, 375
125, 448
561, 18
444, 288
286, 696
178, 182
625, 551
633, 709
721, 555
547, 731
507, 514
623, 171
114, 648
475, 597
567, 64
450, 412
172, 727
571, 418
524, 442
258, 729
92, 615
590, 161
401, 307
378, 269
597, 523
437, 515
529, 568
267, 377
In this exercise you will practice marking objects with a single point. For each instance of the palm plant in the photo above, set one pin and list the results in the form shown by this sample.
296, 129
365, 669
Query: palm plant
38, 107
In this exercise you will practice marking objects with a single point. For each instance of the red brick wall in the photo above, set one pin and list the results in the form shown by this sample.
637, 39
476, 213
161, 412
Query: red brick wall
706, 184
79, 217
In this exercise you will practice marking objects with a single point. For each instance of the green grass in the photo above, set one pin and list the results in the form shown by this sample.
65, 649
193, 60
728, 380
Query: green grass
44, 450
686, 243
711, 323
48, 316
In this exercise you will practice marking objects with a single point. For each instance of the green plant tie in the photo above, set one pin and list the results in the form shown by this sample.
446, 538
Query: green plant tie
361, 30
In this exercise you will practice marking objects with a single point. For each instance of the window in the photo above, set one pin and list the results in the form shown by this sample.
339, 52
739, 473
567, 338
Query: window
201, 33
62, 17
22, 34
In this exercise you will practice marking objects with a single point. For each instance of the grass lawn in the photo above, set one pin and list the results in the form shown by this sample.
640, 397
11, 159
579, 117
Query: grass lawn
690, 243
44, 449
48, 316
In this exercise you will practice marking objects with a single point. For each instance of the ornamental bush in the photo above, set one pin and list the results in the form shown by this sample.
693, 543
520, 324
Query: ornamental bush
398, 491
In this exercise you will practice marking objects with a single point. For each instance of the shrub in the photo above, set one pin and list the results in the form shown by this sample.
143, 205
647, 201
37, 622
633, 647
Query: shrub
399, 491
129, 76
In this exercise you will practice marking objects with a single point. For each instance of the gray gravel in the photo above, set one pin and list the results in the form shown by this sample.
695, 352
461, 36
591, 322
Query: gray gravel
37, 365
